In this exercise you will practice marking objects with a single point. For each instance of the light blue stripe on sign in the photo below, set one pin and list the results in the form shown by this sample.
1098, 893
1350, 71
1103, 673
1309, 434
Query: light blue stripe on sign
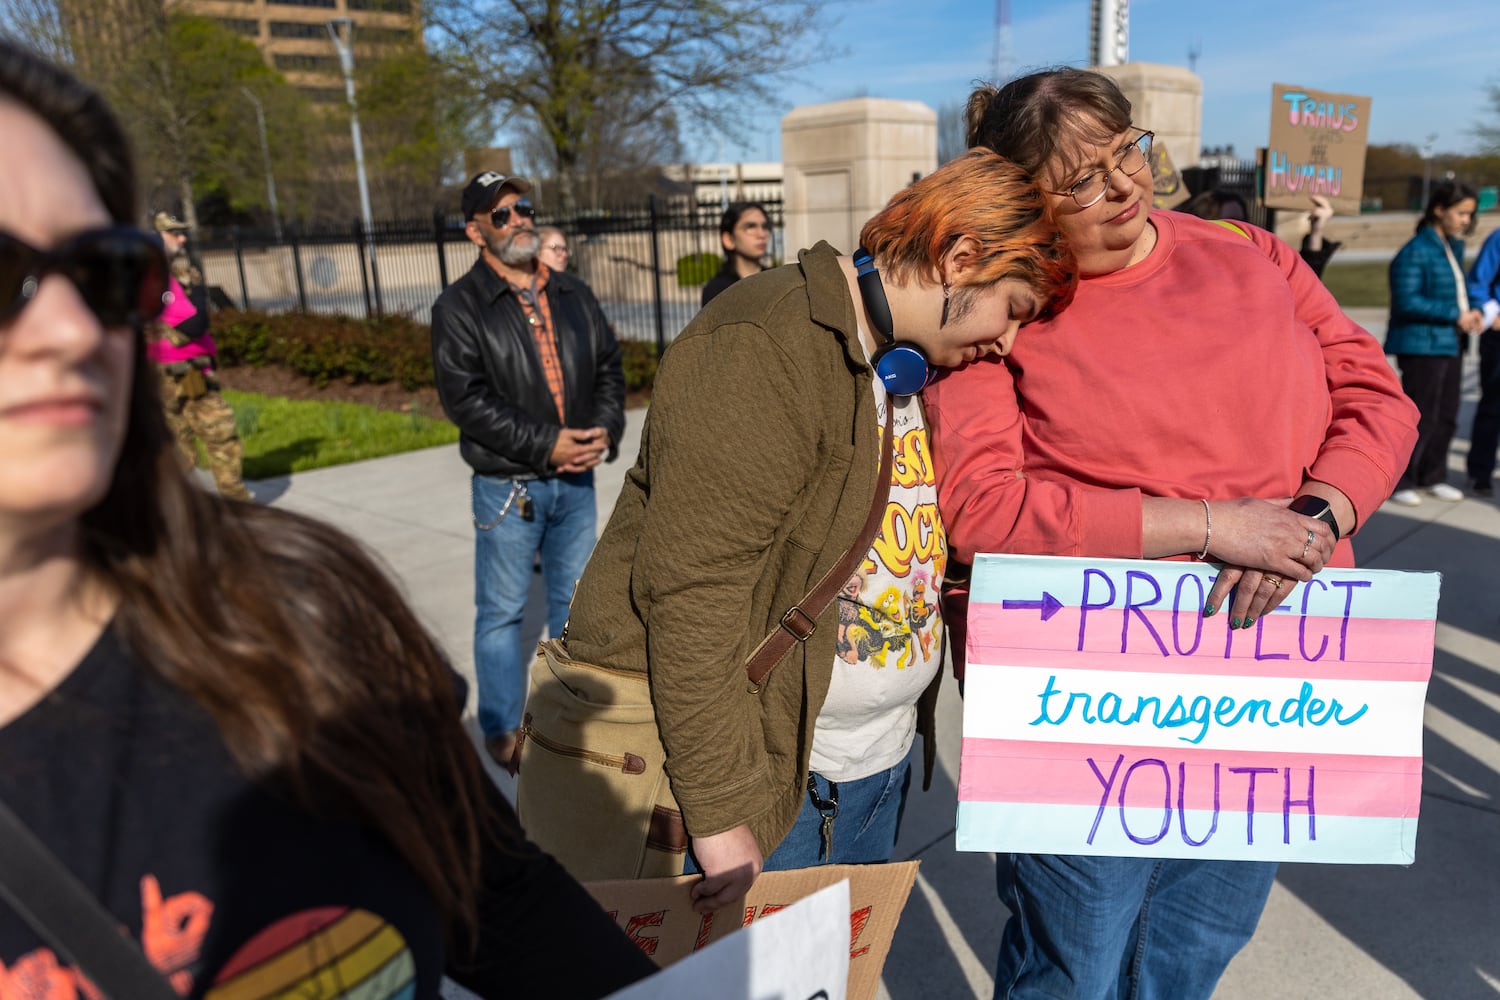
1010, 827
1361, 593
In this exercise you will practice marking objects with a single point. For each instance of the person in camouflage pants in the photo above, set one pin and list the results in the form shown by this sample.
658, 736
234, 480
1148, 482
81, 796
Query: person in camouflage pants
184, 351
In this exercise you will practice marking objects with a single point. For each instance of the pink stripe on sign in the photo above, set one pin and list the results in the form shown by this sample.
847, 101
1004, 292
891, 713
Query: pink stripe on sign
1279, 645
1059, 774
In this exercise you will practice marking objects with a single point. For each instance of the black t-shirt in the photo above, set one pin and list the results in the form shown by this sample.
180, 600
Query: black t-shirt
233, 891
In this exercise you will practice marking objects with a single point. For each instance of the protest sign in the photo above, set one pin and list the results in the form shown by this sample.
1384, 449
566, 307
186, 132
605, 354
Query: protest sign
1167, 189
658, 915
1103, 714
1317, 146
796, 953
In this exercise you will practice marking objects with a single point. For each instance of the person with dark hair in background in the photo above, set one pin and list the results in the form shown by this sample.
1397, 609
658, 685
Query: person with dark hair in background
1217, 204
1484, 436
1428, 332
1201, 378
745, 232
528, 368
221, 718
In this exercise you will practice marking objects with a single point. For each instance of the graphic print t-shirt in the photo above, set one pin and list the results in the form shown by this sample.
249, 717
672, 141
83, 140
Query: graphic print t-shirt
890, 633
231, 892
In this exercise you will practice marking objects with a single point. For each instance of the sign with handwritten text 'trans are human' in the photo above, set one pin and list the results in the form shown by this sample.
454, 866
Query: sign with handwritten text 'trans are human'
1317, 146
1103, 714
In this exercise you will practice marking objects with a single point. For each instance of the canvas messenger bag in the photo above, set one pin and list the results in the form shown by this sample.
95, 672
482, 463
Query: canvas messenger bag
592, 788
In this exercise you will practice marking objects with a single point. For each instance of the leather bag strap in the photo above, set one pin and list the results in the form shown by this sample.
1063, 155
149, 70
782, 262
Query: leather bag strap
801, 619
45, 894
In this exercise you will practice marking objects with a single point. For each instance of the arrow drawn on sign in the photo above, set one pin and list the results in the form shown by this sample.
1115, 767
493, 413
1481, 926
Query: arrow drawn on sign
1048, 605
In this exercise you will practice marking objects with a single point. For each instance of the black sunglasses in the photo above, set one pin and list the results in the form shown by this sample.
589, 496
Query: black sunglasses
500, 216
120, 271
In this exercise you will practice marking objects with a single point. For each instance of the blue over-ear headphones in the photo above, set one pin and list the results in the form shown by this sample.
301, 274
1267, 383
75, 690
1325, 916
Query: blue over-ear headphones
900, 365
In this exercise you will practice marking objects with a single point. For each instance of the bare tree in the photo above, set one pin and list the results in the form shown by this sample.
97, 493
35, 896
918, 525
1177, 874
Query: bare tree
564, 64
417, 114
952, 133
1488, 132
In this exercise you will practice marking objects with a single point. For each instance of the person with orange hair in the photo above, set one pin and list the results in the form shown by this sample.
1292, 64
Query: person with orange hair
760, 459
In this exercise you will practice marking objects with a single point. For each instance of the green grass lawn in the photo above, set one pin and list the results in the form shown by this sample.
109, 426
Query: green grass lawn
283, 436
1360, 284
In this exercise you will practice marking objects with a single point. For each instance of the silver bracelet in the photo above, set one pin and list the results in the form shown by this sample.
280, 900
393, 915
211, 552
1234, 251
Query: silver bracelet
1208, 530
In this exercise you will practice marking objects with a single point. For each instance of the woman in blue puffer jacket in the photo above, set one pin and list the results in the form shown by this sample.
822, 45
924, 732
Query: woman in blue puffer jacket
1428, 332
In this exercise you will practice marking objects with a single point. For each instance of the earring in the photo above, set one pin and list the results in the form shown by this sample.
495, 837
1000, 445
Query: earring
944, 321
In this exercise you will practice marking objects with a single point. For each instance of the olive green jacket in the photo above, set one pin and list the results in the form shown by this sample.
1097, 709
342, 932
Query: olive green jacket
756, 472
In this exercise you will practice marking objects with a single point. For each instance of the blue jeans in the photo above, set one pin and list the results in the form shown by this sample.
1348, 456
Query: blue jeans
562, 529
864, 831
1485, 435
1090, 928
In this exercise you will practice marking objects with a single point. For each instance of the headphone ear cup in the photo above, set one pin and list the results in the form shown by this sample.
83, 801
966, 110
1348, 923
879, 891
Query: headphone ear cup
901, 367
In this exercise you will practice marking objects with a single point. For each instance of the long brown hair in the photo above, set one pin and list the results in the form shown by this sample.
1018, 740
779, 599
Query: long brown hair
318, 675
985, 196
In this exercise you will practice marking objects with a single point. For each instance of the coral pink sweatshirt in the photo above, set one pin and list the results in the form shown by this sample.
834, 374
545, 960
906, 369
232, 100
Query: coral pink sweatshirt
1218, 367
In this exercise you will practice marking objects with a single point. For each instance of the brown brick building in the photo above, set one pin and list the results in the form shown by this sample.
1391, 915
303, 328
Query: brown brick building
293, 34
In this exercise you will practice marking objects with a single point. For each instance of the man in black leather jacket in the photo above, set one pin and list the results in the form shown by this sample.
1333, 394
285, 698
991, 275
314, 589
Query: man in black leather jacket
528, 368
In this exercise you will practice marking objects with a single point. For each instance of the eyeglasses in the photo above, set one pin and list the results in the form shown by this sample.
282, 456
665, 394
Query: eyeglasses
120, 271
500, 217
557, 247
1128, 161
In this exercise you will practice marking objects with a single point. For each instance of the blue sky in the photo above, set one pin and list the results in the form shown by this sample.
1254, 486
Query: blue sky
1424, 67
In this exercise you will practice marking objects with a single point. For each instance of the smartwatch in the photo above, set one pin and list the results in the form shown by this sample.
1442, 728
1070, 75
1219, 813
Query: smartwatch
1310, 506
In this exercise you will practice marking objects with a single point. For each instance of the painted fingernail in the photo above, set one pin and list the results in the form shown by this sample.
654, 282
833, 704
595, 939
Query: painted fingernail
1234, 623
1249, 622
1209, 609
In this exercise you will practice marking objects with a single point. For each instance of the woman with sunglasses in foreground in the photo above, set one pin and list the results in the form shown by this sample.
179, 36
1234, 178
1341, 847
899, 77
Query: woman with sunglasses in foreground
1201, 380
221, 718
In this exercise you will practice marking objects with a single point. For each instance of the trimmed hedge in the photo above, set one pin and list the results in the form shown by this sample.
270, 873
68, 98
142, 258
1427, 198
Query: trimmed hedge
696, 268
328, 348
337, 348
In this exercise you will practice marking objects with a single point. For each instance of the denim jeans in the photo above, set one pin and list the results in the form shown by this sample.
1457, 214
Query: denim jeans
1485, 435
562, 529
864, 831
1092, 928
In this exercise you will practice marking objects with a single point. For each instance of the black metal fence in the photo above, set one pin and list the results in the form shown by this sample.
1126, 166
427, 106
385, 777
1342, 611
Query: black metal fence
646, 264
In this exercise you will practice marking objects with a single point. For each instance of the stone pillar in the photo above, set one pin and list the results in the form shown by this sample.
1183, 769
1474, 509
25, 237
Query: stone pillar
1168, 100
843, 161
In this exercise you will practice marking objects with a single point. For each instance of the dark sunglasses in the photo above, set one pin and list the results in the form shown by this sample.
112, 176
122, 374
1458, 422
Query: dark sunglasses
500, 216
121, 273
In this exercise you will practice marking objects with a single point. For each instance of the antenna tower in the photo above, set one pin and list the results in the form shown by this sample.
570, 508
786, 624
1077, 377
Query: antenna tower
1004, 66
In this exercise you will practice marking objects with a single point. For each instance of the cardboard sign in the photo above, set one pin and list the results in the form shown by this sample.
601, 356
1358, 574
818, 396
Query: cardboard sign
797, 952
1317, 146
658, 913
1167, 189
1103, 714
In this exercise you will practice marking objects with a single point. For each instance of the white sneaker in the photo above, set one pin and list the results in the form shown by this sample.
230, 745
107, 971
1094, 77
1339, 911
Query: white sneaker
1444, 491
1406, 498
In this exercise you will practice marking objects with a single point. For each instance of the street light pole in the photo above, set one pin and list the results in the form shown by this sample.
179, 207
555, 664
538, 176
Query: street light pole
341, 30
265, 156
1426, 170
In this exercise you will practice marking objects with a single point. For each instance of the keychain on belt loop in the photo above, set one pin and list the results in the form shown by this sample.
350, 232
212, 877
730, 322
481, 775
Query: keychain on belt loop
517, 496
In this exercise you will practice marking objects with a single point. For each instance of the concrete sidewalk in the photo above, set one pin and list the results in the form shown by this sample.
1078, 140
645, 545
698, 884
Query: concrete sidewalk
1430, 930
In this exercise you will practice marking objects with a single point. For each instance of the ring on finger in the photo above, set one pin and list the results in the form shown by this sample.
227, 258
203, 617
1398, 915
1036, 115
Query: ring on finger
1274, 581
1307, 546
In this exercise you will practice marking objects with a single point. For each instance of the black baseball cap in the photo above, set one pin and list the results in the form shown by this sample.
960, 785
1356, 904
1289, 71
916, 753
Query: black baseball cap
483, 190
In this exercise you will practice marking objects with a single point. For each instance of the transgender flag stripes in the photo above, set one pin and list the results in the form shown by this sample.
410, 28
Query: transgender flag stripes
1103, 714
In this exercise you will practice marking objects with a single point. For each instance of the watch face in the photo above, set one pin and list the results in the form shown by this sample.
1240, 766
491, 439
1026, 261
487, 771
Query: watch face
1311, 506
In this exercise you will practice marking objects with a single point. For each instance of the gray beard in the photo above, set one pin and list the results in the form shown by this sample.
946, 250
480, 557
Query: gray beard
512, 254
